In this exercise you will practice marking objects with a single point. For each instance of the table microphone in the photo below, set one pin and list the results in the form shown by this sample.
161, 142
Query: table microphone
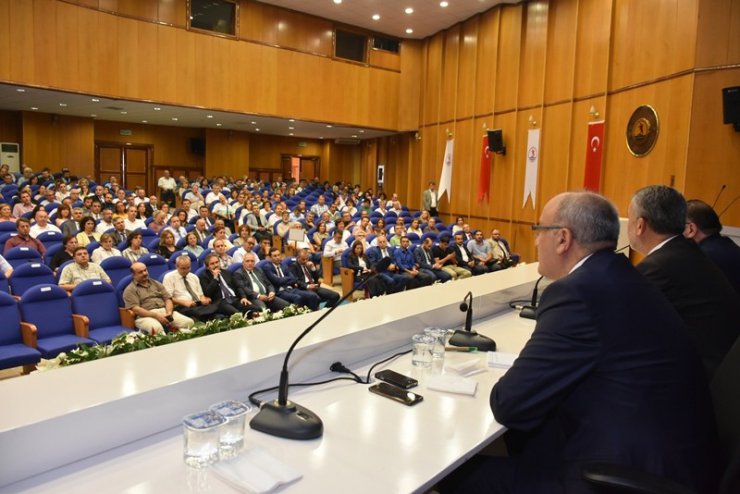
467, 337
530, 311
287, 419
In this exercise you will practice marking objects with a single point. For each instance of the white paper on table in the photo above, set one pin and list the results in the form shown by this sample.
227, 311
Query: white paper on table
453, 384
464, 366
255, 471
501, 360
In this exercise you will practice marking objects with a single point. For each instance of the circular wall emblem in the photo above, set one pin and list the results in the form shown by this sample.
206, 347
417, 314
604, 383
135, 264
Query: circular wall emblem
642, 130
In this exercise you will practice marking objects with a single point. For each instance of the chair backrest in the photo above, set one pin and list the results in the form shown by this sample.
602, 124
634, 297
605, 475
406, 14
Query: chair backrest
116, 267
172, 262
22, 255
8, 226
120, 287
345, 255
146, 233
155, 264
50, 251
234, 267
28, 275
47, 307
98, 301
151, 243
10, 332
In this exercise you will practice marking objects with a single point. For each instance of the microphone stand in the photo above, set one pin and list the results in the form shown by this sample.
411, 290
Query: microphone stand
530, 311
467, 337
287, 419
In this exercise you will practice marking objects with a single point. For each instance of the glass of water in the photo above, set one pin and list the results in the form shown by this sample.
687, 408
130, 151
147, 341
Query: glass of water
422, 352
231, 440
202, 431
439, 335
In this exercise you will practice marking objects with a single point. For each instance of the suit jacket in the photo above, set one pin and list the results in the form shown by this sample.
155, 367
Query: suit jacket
280, 282
608, 375
700, 293
212, 288
243, 283
725, 254
421, 259
297, 272
426, 202
70, 227
458, 255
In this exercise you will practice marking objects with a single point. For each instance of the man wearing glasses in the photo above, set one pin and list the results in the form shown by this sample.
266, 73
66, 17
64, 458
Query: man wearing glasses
609, 374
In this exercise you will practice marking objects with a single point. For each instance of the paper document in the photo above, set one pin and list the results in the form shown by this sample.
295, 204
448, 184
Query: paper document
501, 360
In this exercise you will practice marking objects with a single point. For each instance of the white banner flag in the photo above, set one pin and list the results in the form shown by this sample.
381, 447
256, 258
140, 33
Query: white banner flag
533, 159
445, 180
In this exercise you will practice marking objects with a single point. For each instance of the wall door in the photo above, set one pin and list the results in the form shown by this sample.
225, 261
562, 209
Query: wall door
131, 165
310, 166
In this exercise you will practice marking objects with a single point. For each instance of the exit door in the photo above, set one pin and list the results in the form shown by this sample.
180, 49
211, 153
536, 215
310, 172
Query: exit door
129, 164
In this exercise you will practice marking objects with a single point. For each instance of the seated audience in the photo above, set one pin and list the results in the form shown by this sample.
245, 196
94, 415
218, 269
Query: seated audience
425, 259
192, 245
80, 270
482, 252
309, 279
23, 239
187, 294
66, 254
501, 251
42, 223
105, 250
252, 285
87, 233
134, 250
465, 260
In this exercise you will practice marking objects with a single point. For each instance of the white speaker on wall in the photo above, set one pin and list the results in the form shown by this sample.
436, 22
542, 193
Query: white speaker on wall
10, 154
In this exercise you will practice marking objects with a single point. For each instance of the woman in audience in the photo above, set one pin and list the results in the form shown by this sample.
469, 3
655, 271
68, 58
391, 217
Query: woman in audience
141, 211
379, 227
6, 214
458, 226
84, 187
415, 227
165, 208
66, 254
87, 233
220, 233
158, 223
166, 244
424, 216
320, 235
105, 250
244, 233
192, 245
183, 215
349, 207
64, 213
358, 262
119, 210
134, 250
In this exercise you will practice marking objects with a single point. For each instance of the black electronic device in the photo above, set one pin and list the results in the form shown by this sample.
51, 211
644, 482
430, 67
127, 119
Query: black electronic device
496, 142
396, 379
467, 337
731, 106
530, 311
284, 418
408, 398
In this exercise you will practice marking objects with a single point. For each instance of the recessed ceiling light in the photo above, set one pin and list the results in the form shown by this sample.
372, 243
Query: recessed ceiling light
291, 128
376, 17
21, 90
290, 134
337, 1
209, 116
156, 108
174, 119
328, 126
354, 136
443, 4
218, 125
321, 137
361, 131
291, 120
409, 31
34, 108
124, 113
62, 104
145, 121
256, 130
94, 100
409, 10
254, 123
93, 115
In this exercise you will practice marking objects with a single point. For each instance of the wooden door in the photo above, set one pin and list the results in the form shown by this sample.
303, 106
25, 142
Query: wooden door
131, 165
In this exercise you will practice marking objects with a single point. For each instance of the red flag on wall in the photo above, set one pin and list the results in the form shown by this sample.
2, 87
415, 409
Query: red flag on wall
595, 146
484, 184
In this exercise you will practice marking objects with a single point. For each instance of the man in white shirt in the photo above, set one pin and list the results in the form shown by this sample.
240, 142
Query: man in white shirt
213, 194
42, 224
176, 228
320, 207
106, 221
187, 294
167, 186
335, 247
131, 222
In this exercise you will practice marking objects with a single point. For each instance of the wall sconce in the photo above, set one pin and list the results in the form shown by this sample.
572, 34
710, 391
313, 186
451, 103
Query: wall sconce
449, 134
532, 121
592, 111
417, 136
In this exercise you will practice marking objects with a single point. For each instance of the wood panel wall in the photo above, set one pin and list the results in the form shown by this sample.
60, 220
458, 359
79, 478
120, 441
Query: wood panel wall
140, 50
58, 141
227, 153
545, 64
10, 126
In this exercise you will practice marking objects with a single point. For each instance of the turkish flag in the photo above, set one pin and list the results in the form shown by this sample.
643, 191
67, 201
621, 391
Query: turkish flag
484, 184
594, 151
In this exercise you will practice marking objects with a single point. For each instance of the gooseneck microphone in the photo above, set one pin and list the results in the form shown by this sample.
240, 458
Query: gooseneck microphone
284, 418
721, 189
468, 337
530, 311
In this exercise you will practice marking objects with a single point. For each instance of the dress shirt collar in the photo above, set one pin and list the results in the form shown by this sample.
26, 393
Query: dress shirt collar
579, 263
661, 244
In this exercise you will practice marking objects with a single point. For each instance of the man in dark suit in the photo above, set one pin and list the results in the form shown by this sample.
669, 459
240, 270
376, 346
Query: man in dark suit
465, 259
287, 284
703, 227
308, 279
252, 284
218, 286
425, 259
381, 259
696, 288
608, 374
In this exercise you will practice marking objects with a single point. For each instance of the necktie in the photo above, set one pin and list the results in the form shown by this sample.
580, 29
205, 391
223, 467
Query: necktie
503, 249
225, 290
426, 256
279, 271
307, 274
259, 221
189, 289
384, 253
256, 281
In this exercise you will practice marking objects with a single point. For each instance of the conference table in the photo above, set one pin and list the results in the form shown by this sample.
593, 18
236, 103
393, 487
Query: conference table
370, 443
